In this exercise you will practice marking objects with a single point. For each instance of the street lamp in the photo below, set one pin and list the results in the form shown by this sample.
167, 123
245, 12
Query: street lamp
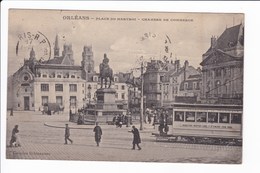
89, 93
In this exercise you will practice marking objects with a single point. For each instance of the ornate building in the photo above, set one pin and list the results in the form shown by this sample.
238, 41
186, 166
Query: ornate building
222, 68
59, 80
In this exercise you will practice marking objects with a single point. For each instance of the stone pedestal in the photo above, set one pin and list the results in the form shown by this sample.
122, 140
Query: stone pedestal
106, 107
106, 99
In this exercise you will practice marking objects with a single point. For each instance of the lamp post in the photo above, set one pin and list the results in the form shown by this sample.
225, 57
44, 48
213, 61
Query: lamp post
89, 93
142, 97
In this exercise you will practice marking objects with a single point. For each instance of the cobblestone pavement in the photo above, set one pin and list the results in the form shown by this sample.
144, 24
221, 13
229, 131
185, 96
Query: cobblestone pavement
42, 142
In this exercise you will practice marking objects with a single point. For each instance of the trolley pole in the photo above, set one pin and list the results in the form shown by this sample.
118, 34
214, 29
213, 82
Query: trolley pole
142, 97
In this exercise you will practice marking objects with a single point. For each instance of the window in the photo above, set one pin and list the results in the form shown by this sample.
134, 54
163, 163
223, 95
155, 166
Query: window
25, 90
72, 76
185, 86
212, 117
179, 116
73, 87
44, 76
59, 100
116, 79
194, 85
25, 78
83, 85
123, 87
123, 96
218, 72
201, 117
116, 95
236, 118
58, 87
44, 87
116, 86
18, 105
161, 78
190, 116
45, 100
73, 100
224, 117
59, 76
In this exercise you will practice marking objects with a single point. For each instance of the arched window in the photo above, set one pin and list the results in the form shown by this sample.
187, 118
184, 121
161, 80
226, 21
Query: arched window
218, 87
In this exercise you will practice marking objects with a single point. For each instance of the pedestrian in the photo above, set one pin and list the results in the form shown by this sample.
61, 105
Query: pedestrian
12, 112
137, 139
14, 142
67, 134
98, 133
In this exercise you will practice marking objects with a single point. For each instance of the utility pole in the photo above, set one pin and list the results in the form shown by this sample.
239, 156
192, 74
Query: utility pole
142, 96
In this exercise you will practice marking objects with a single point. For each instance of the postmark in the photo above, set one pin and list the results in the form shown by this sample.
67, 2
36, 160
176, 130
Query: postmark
35, 40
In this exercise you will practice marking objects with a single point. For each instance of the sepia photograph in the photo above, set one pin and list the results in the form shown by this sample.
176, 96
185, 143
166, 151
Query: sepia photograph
124, 86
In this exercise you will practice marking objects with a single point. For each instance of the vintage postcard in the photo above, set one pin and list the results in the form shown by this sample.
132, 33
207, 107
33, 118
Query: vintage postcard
125, 86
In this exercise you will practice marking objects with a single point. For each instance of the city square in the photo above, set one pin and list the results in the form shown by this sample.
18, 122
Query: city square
47, 143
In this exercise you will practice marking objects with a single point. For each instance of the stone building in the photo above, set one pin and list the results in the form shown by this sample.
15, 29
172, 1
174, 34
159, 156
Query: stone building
169, 82
222, 68
59, 80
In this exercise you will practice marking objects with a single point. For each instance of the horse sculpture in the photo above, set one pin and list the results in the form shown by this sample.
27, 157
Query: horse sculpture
105, 72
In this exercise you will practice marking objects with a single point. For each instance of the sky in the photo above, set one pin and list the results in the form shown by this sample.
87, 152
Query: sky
123, 36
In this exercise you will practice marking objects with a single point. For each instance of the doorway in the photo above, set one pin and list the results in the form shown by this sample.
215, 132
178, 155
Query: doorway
26, 103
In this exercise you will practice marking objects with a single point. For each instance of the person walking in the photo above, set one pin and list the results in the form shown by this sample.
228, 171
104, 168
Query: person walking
136, 139
14, 139
67, 134
98, 133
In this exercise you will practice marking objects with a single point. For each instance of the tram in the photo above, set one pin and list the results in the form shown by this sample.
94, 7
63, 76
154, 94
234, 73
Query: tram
204, 123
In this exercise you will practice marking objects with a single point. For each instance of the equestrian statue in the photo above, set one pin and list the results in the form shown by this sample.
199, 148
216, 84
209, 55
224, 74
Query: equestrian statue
105, 72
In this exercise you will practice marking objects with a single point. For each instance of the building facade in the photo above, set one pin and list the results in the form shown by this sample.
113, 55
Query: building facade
164, 83
222, 68
59, 80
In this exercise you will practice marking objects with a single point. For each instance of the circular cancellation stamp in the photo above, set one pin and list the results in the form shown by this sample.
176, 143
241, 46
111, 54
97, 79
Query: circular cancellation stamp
36, 41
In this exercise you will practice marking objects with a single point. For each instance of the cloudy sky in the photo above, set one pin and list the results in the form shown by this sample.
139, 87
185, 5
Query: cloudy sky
122, 40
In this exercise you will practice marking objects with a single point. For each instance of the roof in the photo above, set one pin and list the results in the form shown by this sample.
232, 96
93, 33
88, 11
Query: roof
194, 76
229, 36
219, 56
56, 60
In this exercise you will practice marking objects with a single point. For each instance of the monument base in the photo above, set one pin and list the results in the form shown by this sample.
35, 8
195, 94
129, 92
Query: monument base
106, 99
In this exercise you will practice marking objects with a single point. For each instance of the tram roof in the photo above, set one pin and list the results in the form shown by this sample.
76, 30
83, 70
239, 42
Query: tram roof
208, 106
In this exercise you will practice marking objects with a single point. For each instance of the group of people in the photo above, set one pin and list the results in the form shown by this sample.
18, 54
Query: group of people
160, 116
98, 133
121, 119
14, 142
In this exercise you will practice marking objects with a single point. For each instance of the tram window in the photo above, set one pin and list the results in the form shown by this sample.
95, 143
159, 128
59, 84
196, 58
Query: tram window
212, 117
224, 117
201, 117
236, 118
179, 116
190, 116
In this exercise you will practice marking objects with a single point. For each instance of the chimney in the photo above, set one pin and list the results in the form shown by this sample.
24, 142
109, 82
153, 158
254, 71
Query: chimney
213, 42
177, 65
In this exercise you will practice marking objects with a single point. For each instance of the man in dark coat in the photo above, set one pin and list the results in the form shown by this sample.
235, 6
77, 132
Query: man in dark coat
14, 139
98, 133
137, 139
67, 134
